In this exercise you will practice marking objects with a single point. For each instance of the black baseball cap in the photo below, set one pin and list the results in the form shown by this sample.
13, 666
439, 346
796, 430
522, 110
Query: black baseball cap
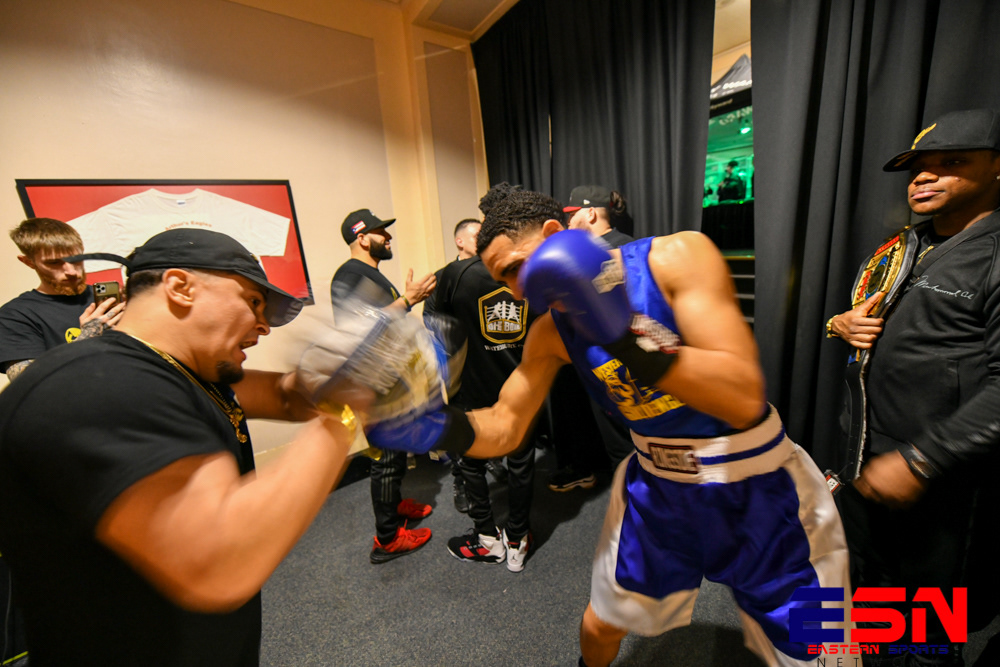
973, 129
586, 196
188, 248
361, 221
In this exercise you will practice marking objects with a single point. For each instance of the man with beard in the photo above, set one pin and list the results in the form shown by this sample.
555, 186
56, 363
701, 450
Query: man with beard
134, 524
359, 277
61, 309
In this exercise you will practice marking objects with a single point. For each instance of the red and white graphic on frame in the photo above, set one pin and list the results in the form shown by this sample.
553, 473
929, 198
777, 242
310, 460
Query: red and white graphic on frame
259, 214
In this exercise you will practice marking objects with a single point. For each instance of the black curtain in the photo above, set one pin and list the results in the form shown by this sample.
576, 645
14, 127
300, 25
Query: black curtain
626, 86
841, 86
514, 97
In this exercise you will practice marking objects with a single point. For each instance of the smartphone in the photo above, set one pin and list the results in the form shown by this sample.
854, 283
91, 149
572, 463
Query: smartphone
107, 290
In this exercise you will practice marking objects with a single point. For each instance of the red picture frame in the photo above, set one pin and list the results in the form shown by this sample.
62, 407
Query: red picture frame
68, 199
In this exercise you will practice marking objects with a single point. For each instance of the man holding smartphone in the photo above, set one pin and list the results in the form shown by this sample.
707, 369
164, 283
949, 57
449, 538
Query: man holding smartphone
61, 309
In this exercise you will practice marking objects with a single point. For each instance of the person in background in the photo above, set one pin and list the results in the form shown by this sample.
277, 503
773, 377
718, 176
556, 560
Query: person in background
370, 244
61, 309
495, 324
923, 511
732, 187
597, 209
579, 455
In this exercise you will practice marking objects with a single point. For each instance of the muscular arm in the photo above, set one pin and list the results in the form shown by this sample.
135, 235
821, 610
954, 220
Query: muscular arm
208, 538
717, 370
502, 428
267, 395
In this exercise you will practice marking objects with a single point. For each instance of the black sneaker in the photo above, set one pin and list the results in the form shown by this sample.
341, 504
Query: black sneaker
461, 499
570, 478
478, 548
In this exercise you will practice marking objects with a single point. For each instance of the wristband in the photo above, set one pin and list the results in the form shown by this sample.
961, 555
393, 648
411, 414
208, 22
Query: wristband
406, 302
344, 414
459, 434
918, 463
648, 350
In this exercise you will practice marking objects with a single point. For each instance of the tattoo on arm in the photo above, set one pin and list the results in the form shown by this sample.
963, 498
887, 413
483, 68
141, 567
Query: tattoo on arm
17, 368
91, 329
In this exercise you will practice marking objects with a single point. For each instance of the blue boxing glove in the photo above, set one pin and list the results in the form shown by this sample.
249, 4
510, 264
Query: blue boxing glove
577, 270
446, 428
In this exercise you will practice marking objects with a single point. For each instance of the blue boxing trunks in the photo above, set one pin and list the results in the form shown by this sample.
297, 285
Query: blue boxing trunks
749, 510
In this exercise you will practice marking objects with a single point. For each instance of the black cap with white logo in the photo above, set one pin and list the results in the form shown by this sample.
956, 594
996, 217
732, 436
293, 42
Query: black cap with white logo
587, 196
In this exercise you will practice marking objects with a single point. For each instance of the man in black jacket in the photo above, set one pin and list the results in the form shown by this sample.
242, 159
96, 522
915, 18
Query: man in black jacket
923, 506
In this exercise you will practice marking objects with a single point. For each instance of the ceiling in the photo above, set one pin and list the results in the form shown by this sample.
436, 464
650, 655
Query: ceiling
469, 19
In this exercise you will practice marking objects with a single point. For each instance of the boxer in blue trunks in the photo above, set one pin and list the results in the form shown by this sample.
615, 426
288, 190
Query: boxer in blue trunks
715, 488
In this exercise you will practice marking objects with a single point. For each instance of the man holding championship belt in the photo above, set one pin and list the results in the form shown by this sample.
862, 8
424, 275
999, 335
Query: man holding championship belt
919, 512
715, 489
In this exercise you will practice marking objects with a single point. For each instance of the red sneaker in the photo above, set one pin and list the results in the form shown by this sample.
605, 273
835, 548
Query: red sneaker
406, 541
411, 509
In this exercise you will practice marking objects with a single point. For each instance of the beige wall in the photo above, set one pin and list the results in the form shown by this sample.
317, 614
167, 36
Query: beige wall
335, 97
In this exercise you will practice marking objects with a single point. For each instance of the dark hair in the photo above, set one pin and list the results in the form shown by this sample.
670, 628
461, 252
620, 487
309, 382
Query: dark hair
733, 163
497, 194
519, 212
618, 215
141, 281
462, 224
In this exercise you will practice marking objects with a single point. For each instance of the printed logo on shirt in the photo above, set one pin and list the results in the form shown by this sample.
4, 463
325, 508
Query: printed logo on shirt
633, 401
72, 334
501, 316
923, 283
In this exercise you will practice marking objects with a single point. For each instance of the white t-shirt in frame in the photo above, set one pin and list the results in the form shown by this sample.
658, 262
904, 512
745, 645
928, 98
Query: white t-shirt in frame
122, 226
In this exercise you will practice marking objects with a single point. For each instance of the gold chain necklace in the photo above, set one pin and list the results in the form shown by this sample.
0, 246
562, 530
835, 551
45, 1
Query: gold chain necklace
231, 409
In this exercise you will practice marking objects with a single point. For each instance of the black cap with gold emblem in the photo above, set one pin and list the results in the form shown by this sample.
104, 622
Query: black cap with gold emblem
973, 129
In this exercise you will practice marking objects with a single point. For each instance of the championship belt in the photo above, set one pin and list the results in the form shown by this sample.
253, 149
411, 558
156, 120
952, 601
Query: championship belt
888, 271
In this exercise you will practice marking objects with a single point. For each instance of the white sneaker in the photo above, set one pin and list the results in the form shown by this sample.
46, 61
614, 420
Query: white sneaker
478, 548
517, 552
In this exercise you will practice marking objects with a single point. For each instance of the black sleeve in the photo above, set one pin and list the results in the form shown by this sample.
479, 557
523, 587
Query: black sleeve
19, 339
431, 302
973, 431
344, 279
104, 439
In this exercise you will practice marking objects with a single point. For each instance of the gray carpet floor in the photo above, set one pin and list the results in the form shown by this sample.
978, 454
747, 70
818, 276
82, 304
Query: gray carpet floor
326, 605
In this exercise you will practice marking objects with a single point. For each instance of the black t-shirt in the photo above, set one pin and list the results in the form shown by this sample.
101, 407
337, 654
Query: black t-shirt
615, 238
80, 426
732, 188
495, 322
34, 322
364, 281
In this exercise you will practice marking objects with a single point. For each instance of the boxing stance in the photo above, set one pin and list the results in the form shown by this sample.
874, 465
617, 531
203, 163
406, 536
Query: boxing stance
714, 488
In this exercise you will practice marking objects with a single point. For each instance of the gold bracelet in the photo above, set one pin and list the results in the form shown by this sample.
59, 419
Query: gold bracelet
346, 415
830, 333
